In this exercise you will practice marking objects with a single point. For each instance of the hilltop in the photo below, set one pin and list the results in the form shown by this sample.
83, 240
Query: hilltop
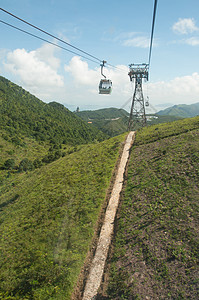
22, 114
102, 114
181, 110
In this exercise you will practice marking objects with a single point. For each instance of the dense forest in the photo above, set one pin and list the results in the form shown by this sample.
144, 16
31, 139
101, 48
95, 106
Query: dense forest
23, 114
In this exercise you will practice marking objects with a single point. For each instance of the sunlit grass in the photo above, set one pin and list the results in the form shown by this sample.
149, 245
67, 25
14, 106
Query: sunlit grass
48, 218
156, 247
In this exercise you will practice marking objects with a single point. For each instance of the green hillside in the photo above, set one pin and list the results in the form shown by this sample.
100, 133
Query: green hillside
157, 119
119, 125
27, 148
111, 121
23, 114
182, 110
48, 217
105, 113
55, 170
112, 127
155, 251
53, 189
114, 121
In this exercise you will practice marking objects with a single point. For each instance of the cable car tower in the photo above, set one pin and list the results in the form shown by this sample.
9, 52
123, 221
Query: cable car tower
137, 117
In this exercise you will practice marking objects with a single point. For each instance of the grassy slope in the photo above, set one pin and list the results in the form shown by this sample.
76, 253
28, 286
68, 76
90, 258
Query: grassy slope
112, 127
156, 248
162, 119
47, 219
30, 149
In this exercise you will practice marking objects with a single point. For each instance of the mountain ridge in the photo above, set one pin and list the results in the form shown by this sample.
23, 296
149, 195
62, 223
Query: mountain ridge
181, 110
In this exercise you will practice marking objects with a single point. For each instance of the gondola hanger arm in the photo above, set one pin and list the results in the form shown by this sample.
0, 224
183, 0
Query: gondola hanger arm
102, 65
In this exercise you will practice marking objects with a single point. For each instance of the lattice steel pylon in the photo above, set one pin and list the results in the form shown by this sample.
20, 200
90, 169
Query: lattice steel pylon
137, 117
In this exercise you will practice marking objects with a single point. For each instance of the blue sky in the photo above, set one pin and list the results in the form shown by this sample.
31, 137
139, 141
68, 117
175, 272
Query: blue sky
116, 31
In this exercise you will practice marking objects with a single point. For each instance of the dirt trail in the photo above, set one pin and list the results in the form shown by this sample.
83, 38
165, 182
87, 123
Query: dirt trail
97, 266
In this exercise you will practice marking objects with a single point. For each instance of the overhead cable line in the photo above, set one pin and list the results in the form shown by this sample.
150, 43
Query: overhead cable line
125, 104
51, 35
42, 39
152, 31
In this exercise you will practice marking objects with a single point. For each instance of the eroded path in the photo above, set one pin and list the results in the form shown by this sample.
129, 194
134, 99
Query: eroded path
97, 266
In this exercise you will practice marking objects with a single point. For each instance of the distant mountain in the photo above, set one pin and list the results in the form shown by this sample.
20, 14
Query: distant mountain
23, 114
181, 110
114, 121
111, 121
112, 127
102, 114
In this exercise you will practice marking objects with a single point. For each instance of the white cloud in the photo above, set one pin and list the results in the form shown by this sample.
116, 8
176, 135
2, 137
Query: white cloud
47, 54
125, 36
132, 39
141, 42
86, 81
193, 41
3, 53
81, 73
36, 70
40, 76
84, 76
185, 26
179, 90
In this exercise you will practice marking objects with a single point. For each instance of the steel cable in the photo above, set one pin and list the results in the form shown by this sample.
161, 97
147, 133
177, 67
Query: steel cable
152, 31
51, 35
42, 39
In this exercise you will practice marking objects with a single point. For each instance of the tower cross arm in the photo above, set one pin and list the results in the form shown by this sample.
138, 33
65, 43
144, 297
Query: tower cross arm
138, 70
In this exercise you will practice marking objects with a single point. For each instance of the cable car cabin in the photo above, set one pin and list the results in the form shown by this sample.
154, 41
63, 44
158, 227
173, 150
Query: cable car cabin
105, 86
147, 101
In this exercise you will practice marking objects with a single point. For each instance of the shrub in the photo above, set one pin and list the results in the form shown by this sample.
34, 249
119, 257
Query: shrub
25, 165
9, 164
37, 163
